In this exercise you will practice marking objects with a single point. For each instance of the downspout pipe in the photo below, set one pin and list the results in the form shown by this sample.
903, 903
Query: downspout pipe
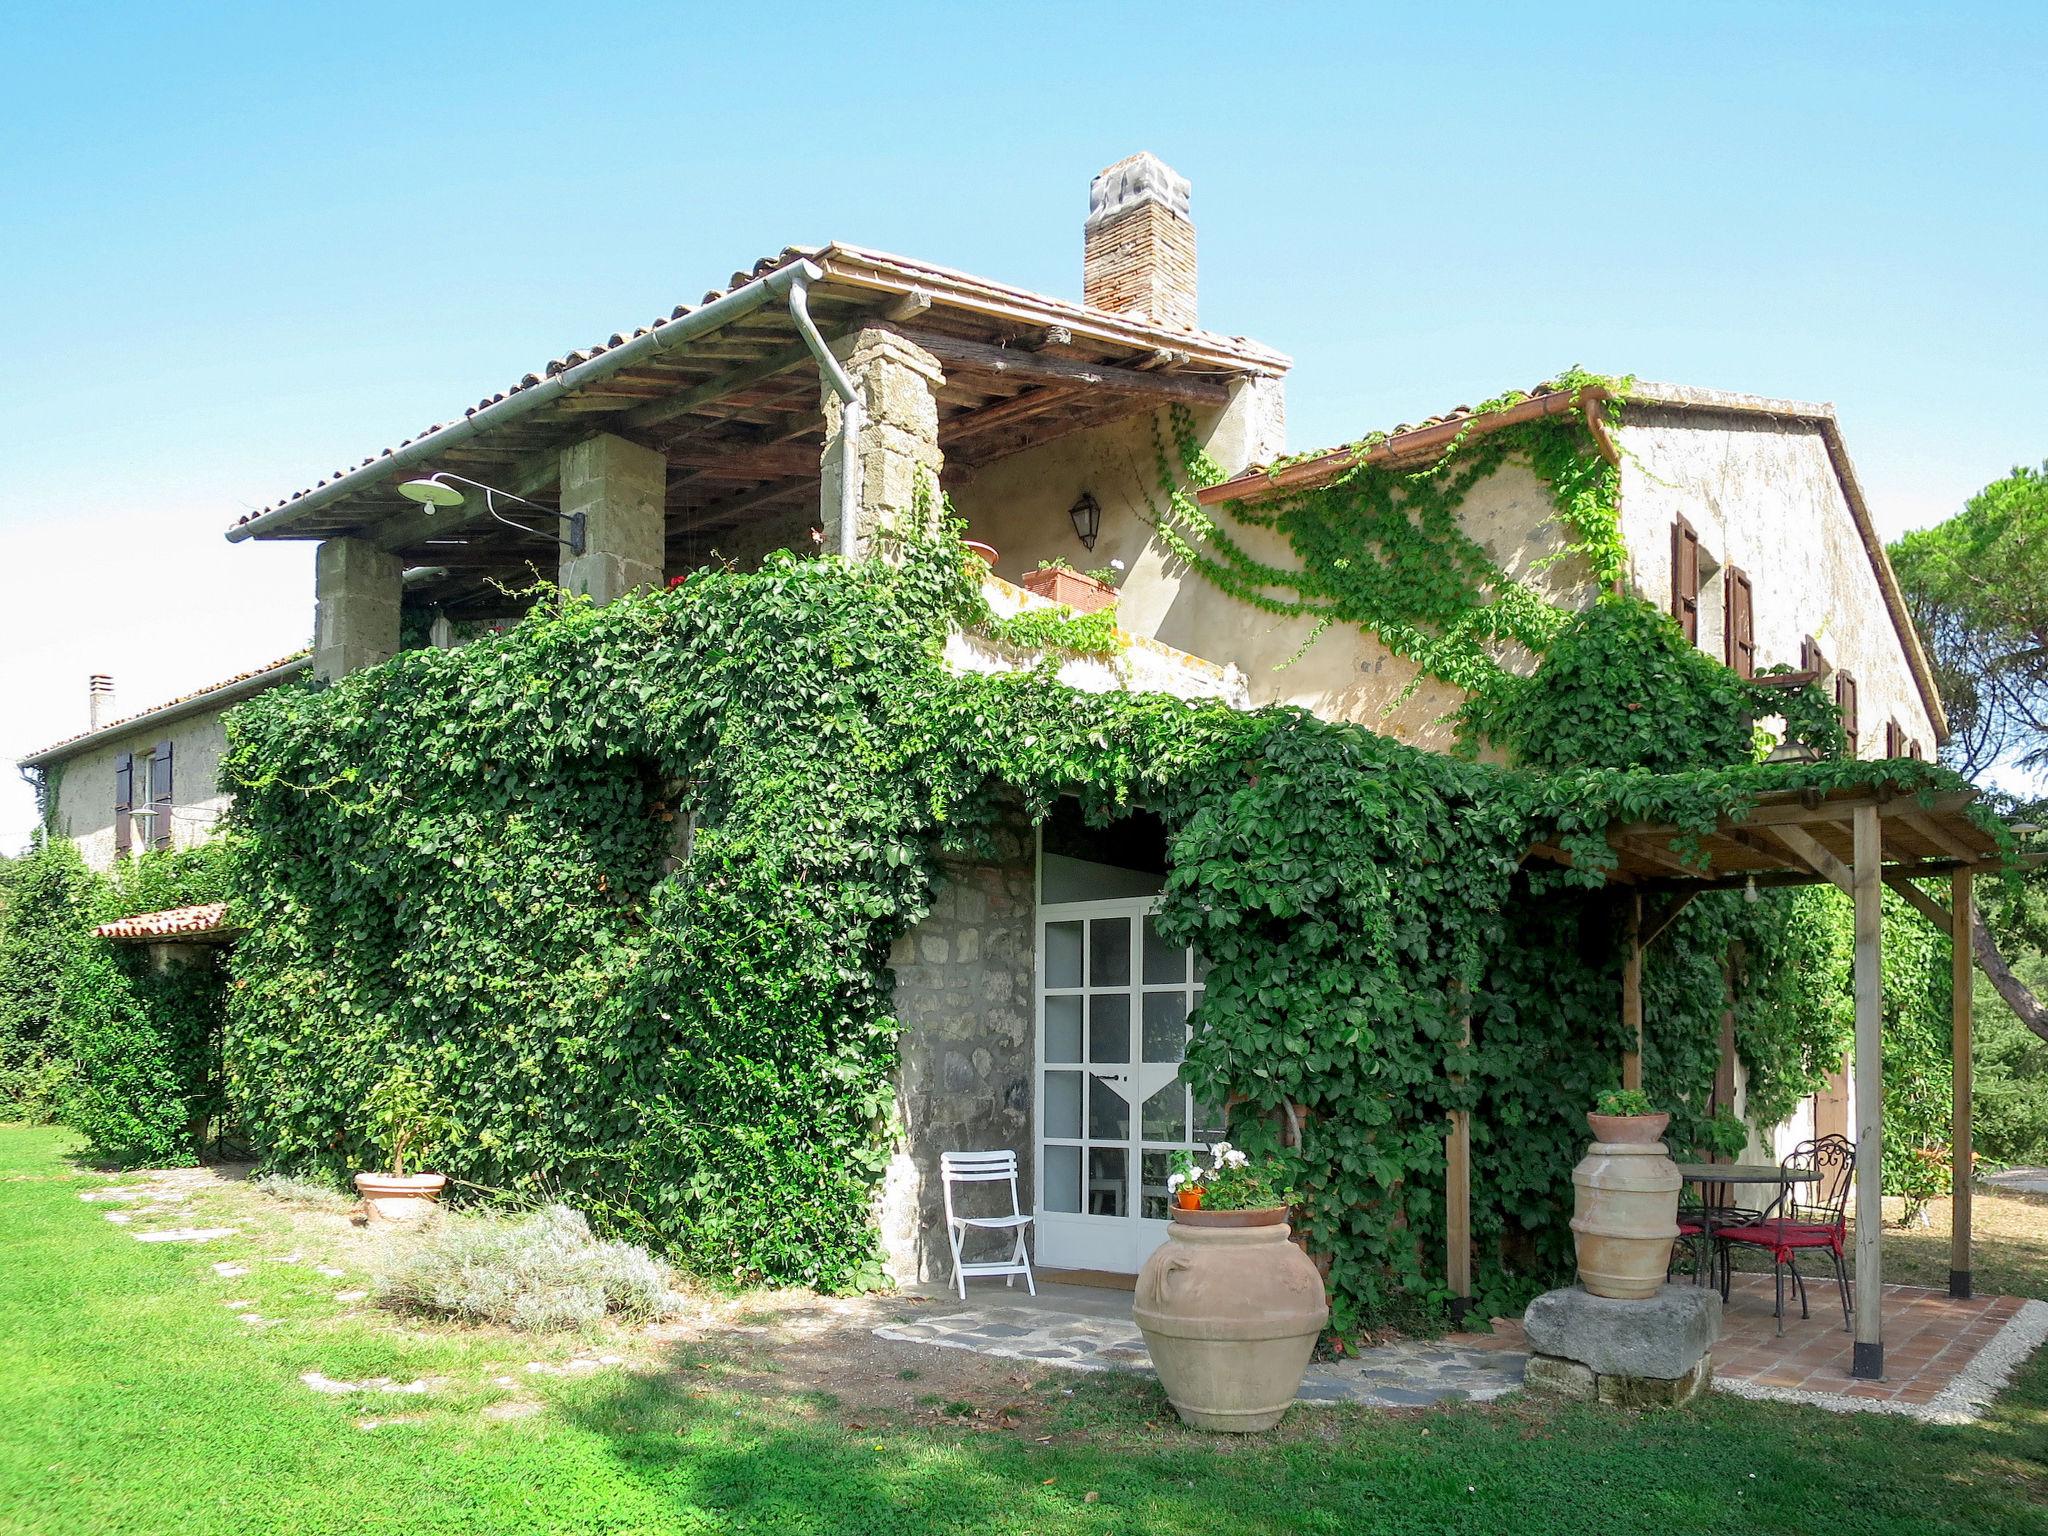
743, 300
852, 414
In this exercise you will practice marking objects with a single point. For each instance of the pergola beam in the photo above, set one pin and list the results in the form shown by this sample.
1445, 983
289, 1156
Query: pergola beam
1923, 903
1806, 848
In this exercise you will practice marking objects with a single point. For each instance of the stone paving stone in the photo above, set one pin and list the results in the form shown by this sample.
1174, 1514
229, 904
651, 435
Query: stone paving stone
1928, 1347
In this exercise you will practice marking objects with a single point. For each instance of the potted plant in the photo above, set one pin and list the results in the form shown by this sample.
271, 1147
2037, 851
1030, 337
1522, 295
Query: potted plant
1084, 592
1625, 1214
402, 1120
1229, 1307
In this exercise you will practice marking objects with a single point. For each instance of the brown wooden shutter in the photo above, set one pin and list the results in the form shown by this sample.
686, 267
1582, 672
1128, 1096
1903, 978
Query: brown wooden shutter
1740, 631
160, 796
1810, 657
1685, 578
1894, 739
1913, 750
1845, 700
124, 800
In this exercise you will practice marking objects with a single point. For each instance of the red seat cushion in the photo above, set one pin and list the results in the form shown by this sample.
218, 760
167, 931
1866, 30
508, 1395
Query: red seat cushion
1783, 1234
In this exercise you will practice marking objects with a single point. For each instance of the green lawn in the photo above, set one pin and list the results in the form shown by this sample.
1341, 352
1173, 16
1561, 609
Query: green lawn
132, 1401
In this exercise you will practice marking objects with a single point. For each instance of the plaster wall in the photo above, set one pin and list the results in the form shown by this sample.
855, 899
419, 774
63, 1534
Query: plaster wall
1019, 504
1764, 495
85, 785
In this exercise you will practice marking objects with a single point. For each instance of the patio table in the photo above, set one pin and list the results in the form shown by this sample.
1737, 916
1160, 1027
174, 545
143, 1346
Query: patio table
1725, 1174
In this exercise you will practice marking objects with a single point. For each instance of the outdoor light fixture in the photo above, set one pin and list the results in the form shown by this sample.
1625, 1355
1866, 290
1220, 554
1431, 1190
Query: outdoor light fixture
434, 492
1087, 516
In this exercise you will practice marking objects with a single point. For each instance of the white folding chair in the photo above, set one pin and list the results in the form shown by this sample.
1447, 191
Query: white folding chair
985, 1168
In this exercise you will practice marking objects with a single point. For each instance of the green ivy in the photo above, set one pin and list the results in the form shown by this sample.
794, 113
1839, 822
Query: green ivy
622, 883
95, 1035
1384, 548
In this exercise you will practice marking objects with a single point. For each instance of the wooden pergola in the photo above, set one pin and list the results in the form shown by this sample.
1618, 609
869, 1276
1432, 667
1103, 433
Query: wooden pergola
1859, 840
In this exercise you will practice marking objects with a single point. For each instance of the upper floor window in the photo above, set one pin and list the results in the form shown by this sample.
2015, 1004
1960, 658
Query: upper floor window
1845, 700
1740, 628
1811, 658
1685, 578
150, 776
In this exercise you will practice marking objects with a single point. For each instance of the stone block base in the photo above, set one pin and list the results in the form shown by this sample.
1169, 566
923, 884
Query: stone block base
1557, 1377
1654, 1353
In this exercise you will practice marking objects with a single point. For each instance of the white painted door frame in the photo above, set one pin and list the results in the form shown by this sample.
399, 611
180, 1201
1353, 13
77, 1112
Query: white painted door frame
1091, 1207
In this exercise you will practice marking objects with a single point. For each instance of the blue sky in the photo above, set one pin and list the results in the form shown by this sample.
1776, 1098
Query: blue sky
250, 244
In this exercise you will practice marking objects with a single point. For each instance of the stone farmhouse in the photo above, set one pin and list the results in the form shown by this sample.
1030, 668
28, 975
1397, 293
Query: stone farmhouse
800, 406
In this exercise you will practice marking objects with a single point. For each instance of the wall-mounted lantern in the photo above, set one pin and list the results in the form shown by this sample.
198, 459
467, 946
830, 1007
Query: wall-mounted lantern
1087, 516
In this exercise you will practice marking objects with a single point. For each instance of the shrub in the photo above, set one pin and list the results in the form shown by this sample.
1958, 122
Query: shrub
535, 1272
45, 897
94, 1034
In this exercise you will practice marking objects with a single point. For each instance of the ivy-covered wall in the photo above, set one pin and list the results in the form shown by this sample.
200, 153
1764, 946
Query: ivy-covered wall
455, 864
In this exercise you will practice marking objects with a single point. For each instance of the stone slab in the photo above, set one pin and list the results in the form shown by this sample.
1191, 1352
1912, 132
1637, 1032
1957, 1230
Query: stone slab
1663, 1337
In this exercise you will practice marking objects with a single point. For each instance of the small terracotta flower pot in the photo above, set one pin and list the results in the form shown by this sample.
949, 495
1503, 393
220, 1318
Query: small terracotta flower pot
1627, 1129
1189, 1198
1083, 594
400, 1196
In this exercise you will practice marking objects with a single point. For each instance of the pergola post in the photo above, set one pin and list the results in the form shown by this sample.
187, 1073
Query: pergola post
1458, 1203
1632, 993
1961, 1150
1868, 876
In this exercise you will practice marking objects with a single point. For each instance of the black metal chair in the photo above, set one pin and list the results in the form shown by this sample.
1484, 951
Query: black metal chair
1818, 1225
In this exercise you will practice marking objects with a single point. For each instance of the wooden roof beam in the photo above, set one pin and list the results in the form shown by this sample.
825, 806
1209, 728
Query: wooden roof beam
954, 353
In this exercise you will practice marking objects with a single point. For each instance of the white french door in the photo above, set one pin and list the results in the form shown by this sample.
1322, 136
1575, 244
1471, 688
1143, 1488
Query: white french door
1113, 1005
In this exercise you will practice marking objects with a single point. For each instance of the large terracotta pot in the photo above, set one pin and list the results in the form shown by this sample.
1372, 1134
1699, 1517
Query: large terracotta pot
1626, 1216
400, 1196
1230, 1310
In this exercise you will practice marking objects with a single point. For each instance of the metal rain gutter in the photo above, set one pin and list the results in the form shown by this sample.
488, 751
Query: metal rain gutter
852, 413
741, 301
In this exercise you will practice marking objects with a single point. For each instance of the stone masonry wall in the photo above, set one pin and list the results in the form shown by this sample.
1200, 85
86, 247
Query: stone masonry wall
964, 997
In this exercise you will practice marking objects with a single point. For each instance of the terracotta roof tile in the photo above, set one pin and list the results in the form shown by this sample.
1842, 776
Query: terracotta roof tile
1254, 354
557, 365
208, 920
198, 694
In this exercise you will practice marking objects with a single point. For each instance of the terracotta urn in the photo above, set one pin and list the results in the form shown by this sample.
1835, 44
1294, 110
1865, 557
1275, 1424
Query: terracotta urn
1083, 594
985, 553
1230, 1310
400, 1196
1626, 1213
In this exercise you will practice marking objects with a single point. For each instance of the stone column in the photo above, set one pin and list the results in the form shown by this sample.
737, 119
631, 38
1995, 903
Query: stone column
356, 590
621, 489
898, 445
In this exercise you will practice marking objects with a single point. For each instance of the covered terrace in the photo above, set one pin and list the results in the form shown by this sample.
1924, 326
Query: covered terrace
792, 409
1861, 840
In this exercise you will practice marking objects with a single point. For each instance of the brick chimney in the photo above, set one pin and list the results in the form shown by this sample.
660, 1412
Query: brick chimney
99, 701
1138, 249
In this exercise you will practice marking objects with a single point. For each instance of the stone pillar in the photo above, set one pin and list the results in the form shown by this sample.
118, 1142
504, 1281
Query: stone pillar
621, 489
356, 590
898, 445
